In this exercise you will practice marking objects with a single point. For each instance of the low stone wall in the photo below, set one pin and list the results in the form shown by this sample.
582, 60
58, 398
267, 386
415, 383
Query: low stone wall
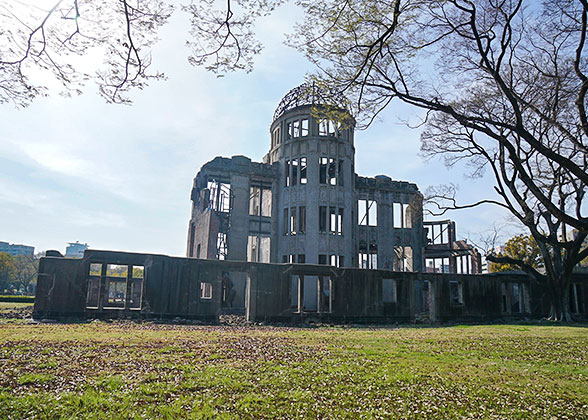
108, 284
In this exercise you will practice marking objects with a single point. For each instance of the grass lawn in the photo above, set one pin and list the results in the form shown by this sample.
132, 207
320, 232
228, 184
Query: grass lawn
11, 305
127, 370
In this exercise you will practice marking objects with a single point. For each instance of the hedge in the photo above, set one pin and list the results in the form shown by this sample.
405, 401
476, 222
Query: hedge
17, 298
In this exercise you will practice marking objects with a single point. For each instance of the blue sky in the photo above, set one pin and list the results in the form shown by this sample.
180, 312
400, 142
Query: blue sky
119, 177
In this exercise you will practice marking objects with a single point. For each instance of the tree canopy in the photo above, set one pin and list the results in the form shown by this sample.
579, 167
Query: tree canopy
18, 273
521, 248
53, 37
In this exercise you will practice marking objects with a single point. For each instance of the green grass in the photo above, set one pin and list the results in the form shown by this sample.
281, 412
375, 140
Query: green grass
130, 371
6, 306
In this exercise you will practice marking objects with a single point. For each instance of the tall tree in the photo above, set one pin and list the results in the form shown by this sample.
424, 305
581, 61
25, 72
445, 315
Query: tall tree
25, 272
504, 88
7, 270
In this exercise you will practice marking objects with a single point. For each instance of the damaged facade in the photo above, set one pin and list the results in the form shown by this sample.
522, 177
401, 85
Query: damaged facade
445, 254
304, 203
109, 284
295, 237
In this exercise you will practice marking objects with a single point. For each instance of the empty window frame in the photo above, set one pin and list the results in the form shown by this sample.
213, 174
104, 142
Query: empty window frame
368, 260
292, 224
260, 201
136, 292
336, 260
332, 171
367, 213
258, 248
407, 213
220, 196
514, 297
296, 128
303, 171
403, 260
463, 264
322, 259
252, 248
438, 233
333, 220
322, 219
301, 219
329, 128
402, 215
323, 127
389, 291
254, 201
294, 178
286, 222
289, 258
437, 265
276, 137
304, 127
455, 292
301, 258
295, 171
323, 169
221, 246
397, 215
93, 294
205, 290
336, 221
116, 286
311, 294
287, 176
340, 172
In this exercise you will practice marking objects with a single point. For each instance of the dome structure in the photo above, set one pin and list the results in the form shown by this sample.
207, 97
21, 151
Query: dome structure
309, 94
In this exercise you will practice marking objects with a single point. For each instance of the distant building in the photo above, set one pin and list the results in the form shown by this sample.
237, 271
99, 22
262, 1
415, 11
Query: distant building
75, 250
16, 249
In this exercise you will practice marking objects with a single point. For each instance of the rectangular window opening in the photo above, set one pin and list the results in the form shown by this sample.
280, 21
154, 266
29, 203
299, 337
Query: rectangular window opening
455, 292
301, 219
220, 196
303, 179
293, 221
323, 164
221, 246
205, 290
294, 171
389, 292
304, 127
322, 219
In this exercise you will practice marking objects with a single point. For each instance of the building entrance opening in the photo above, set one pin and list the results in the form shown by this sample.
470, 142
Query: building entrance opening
311, 294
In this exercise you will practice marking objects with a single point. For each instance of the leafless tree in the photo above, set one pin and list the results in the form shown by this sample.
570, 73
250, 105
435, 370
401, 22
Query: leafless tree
504, 87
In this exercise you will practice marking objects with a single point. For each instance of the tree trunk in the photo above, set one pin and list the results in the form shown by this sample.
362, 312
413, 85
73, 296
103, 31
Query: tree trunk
560, 303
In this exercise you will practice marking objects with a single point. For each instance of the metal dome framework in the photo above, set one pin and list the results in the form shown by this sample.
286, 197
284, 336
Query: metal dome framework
310, 94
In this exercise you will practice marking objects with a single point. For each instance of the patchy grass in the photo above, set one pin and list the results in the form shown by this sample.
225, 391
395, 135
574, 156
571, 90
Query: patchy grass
8, 306
127, 371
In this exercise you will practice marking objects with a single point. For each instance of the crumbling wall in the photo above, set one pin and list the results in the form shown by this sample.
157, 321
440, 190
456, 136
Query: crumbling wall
109, 284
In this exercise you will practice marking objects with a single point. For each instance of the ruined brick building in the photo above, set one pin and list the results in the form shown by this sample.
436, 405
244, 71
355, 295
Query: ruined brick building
304, 203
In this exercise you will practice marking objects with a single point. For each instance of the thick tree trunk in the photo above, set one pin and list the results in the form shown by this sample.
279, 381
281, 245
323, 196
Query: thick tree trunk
560, 303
